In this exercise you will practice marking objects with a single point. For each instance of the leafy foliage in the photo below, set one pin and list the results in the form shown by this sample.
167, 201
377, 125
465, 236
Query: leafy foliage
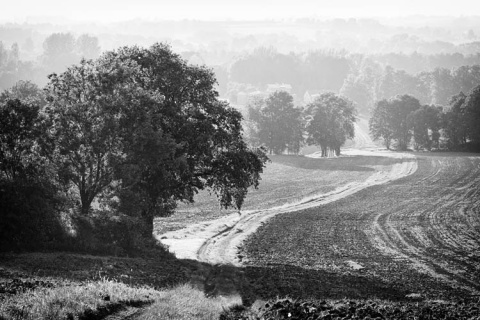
28, 199
279, 124
472, 110
147, 126
390, 120
20, 126
82, 106
426, 123
330, 122
379, 123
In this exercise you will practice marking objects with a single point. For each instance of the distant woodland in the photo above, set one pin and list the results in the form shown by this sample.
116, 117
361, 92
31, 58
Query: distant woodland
363, 59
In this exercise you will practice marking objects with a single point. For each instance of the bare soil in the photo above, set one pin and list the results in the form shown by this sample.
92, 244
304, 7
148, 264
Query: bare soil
419, 234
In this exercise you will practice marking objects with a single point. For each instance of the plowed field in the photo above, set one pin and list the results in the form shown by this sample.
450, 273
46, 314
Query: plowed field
418, 234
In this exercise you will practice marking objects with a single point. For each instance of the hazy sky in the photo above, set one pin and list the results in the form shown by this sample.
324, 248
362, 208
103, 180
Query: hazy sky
110, 10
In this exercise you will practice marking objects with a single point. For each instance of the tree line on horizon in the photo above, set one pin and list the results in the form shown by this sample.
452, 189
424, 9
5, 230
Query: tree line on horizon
404, 120
400, 122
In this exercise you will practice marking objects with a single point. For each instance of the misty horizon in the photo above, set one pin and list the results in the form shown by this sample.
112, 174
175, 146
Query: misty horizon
24, 11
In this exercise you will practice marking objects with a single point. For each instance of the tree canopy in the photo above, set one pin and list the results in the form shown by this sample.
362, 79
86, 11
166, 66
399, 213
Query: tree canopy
279, 124
390, 120
330, 122
150, 127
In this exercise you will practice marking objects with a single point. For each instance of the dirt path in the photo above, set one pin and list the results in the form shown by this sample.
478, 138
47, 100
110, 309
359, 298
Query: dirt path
222, 248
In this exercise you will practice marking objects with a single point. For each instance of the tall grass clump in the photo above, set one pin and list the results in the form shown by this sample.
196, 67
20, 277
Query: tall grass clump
75, 301
186, 303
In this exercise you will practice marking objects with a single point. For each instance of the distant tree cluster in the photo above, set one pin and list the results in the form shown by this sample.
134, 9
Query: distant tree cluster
326, 122
401, 118
60, 50
136, 130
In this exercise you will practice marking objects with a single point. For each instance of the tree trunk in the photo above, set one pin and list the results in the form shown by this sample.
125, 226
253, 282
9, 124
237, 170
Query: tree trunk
86, 202
148, 224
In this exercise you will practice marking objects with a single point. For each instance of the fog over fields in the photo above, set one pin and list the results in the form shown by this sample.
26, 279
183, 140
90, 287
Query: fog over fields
403, 35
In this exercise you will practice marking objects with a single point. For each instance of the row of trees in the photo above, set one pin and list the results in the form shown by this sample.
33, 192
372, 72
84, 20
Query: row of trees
400, 118
278, 125
137, 129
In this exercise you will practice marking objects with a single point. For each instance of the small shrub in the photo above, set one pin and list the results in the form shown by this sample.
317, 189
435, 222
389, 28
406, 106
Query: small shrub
104, 233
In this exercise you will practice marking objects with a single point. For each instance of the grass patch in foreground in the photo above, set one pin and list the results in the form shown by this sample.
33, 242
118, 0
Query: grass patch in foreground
76, 301
186, 303
97, 299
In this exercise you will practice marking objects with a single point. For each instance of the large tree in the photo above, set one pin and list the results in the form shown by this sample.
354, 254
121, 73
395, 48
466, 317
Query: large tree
84, 108
330, 122
426, 123
149, 126
455, 122
279, 123
379, 123
390, 120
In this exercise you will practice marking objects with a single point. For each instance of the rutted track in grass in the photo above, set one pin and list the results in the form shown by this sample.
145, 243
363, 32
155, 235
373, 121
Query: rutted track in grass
420, 233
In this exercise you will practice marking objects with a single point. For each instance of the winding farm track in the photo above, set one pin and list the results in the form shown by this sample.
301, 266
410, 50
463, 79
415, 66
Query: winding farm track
222, 248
